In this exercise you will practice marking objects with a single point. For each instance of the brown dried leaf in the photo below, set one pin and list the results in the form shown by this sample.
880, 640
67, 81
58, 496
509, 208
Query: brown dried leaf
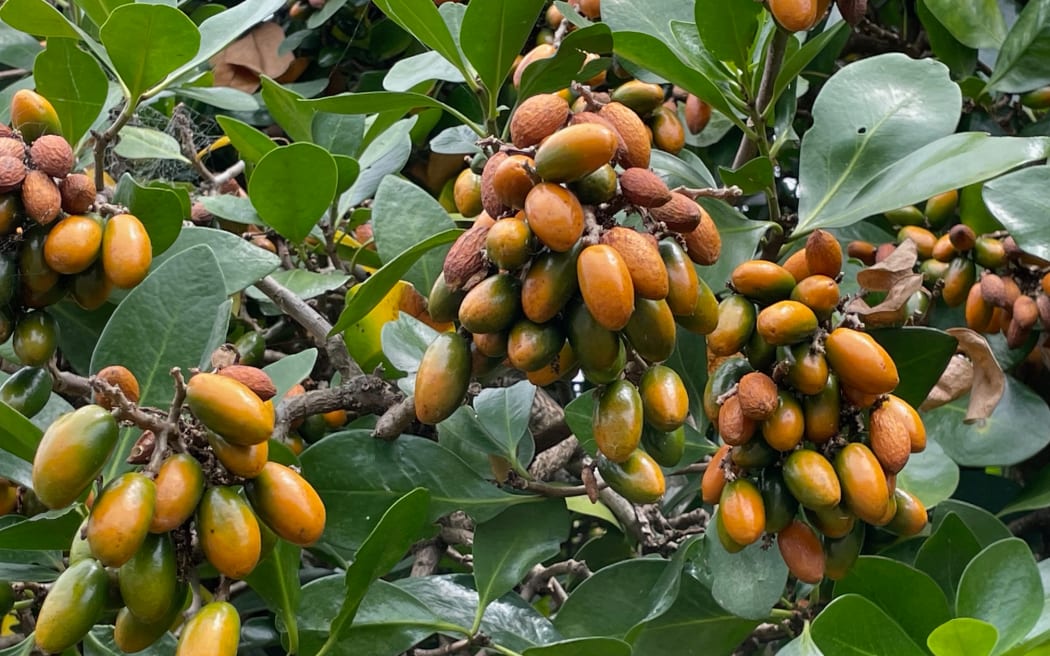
954, 382
989, 381
241, 63
882, 276
893, 309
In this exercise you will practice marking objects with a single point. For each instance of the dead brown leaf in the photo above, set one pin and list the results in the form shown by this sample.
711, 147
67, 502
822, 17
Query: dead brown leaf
882, 276
241, 63
893, 309
954, 382
989, 381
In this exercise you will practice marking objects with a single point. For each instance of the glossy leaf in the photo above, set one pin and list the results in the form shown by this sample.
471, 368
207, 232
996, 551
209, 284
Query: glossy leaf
753, 177
509, 621
689, 360
852, 625
797, 61
74, 83
379, 284
20, 437
292, 187
551, 74
907, 595
582, 647
147, 42
1039, 636
958, 57
504, 414
740, 239
403, 215
290, 370
37, 17
1023, 63
159, 209
946, 553
288, 108
405, 340
1014, 199
1015, 431
728, 29
508, 546
984, 525
51, 530
921, 354
963, 636
802, 645
251, 143
977, 24
422, 20
17, 49
497, 31
1002, 586
398, 528
276, 580
1036, 494
464, 435
339, 134
684, 169
100, 643
158, 326
930, 475
242, 263
596, 608
359, 477
747, 584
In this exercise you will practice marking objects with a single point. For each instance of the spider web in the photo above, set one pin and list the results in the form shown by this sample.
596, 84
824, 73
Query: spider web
186, 123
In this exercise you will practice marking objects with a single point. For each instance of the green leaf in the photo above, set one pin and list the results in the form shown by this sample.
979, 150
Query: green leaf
505, 26
908, 596
402, 216
1039, 636
463, 435
376, 287
1002, 586
553, 73
582, 647
753, 177
158, 326
508, 546
596, 607
242, 263
694, 625
977, 24
1023, 63
685, 169
304, 284
802, 645
276, 580
504, 414
17, 49
251, 143
220, 97
387, 154
24, 648
405, 340
959, 58
147, 143
945, 554
339, 134
50, 530
963, 636
728, 29
159, 209
852, 625
100, 643
797, 61
220, 30
288, 108
421, 19
292, 187
1015, 431
373, 102
1015, 201
984, 525
291, 370
20, 437
579, 416
740, 239
385, 546
389, 620
147, 42
1036, 494
908, 104
921, 354
37, 17
747, 584
583, 506
74, 83
689, 360
510, 621
930, 475
231, 208
358, 477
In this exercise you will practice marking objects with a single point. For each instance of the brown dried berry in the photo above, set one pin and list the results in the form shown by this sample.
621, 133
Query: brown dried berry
12, 172
644, 188
704, 243
1025, 312
537, 118
253, 378
40, 197
993, 289
121, 378
890, 441
1042, 302
53, 155
823, 254
642, 255
680, 213
11, 147
465, 263
758, 396
734, 428
78, 193
490, 200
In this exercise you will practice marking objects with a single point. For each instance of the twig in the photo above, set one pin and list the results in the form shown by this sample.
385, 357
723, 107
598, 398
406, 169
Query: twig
446, 649
552, 460
428, 555
316, 325
125, 410
541, 576
68, 383
774, 60
547, 421
364, 394
172, 424
556, 491
729, 194
232, 172
103, 139
396, 419
624, 511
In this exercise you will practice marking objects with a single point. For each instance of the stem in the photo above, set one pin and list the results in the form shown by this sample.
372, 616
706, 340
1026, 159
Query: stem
102, 140
774, 60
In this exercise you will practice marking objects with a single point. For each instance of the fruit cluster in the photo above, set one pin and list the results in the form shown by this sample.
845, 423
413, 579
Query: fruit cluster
806, 419
547, 281
999, 286
146, 526
50, 243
